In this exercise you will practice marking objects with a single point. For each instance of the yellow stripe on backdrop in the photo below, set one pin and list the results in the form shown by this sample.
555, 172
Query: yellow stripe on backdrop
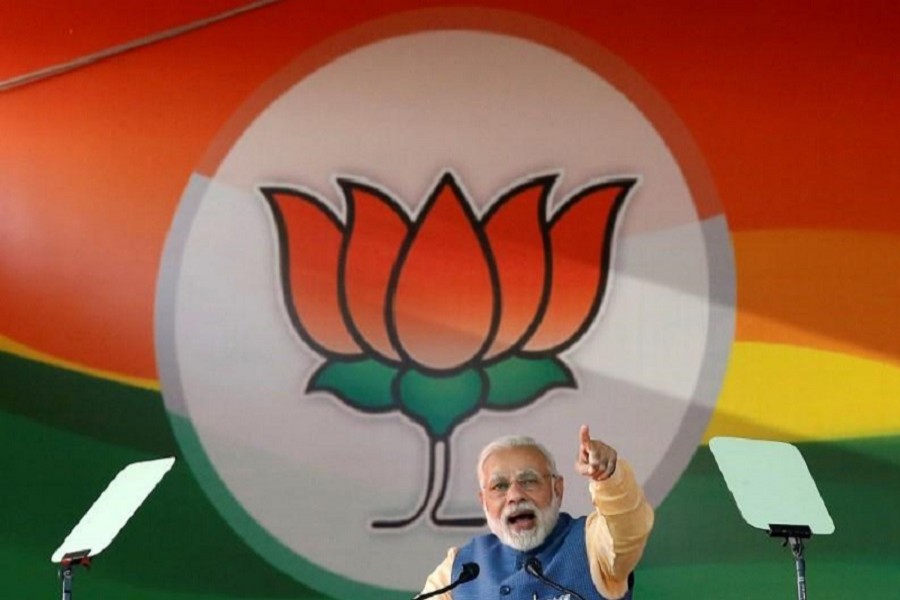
771, 391
789, 393
15, 348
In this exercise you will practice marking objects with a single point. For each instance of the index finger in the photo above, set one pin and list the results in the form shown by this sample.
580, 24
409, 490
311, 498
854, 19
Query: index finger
585, 435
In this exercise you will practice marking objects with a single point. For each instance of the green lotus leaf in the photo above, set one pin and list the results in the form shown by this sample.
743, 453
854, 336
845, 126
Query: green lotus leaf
518, 380
440, 403
362, 384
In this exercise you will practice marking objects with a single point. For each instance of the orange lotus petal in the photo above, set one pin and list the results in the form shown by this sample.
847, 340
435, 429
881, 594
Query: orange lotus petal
310, 238
520, 246
581, 238
444, 306
376, 228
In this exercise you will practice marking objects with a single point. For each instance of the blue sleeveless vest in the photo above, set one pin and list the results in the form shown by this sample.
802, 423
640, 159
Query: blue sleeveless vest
503, 576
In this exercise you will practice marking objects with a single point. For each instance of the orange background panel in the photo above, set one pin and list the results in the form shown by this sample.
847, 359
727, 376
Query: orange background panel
829, 290
793, 108
35, 35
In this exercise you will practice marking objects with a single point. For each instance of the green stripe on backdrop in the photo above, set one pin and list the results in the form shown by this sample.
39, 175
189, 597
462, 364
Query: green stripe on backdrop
701, 548
130, 417
65, 435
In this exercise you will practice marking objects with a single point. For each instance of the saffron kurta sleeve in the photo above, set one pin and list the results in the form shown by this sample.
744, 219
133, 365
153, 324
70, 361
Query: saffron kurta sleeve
440, 577
617, 531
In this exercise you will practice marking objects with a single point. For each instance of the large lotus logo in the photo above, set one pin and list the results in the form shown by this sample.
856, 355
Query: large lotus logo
400, 247
448, 313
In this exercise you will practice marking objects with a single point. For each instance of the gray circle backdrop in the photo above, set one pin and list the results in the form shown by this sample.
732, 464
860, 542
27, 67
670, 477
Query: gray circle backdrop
494, 99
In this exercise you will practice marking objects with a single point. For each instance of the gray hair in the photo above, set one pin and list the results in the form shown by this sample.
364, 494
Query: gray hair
514, 441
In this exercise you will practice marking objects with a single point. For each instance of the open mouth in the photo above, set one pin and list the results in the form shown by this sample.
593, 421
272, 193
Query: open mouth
524, 519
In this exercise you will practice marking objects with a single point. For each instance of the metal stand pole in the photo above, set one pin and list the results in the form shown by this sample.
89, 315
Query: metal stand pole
65, 574
67, 570
794, 535
800, 563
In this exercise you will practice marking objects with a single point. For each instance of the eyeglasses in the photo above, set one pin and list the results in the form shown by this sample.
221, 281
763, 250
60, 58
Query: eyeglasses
528, 482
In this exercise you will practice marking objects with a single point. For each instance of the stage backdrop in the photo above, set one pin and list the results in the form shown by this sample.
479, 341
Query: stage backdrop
322, 252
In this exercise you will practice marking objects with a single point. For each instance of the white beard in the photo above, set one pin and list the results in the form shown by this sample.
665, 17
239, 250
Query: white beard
544, 522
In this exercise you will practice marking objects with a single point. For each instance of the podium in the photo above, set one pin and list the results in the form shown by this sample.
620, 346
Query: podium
775, 492
107, 516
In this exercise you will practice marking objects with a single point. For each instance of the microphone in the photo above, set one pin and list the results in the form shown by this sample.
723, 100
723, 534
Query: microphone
469, 572
536, 569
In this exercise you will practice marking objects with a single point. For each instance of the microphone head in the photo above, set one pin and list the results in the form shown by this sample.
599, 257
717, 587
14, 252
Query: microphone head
469, 572
533, 565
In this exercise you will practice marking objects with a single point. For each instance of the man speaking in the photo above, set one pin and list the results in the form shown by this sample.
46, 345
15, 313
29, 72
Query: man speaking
536, 552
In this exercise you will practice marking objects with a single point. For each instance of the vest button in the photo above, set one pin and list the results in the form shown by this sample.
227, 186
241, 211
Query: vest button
505, 590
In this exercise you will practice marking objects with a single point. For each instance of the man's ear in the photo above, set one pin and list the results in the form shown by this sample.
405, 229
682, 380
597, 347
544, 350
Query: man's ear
481, 497
558, 486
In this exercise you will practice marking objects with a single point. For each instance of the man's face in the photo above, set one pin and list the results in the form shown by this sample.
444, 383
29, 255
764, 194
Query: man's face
520, 497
